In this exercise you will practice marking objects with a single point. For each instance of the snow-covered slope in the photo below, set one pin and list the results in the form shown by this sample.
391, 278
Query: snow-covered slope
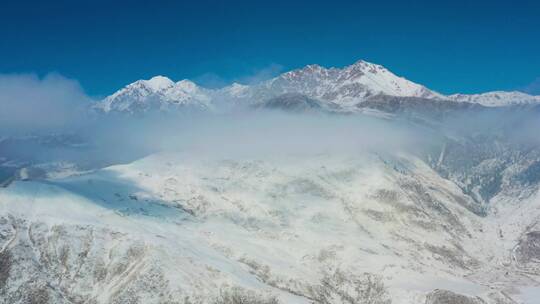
497, 98
174, 228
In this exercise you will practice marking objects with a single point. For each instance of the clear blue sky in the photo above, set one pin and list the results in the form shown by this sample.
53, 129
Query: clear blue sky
457, 46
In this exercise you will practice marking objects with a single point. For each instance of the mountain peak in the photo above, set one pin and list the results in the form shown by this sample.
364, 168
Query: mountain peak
156, 93
159, 82
313, 67
310, 69
348, 85
344, 87
366, 67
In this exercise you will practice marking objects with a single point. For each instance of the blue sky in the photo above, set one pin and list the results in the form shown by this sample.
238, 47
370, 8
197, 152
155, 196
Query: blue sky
457, 46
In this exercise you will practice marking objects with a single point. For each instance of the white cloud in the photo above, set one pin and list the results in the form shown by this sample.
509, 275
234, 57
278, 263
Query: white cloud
263, 74
532, 88
29, 103
213, 80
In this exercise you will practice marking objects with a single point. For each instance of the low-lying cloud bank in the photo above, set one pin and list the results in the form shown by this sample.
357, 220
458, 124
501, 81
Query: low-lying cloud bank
57, 105
31, 104
250, 134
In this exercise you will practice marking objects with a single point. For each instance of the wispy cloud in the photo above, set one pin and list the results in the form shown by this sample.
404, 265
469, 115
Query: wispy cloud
213, 80
54, 103
263, 74
532, 88
31, 103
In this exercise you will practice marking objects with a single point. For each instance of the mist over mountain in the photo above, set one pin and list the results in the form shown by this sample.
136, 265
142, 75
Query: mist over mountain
320, 185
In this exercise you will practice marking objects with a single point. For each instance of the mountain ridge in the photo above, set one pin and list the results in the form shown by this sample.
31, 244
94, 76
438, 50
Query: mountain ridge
347, 87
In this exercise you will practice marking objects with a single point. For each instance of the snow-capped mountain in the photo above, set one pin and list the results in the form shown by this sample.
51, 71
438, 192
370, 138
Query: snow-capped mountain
349, 85
157, 93
427, 215
345, 87
497, 98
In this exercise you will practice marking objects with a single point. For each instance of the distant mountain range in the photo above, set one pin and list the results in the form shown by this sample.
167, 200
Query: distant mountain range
342, 89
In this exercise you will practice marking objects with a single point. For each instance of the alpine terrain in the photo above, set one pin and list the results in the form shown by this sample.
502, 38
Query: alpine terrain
321, 185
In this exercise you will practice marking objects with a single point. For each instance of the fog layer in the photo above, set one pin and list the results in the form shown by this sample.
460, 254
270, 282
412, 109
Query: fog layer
49, 119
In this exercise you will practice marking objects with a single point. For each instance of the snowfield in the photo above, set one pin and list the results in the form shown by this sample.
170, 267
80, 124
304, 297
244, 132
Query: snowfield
179, 228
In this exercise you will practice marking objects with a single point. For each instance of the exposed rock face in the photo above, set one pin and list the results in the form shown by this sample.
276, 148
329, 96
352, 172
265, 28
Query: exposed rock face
448, 297
292, 102
527, 252
487, 165
75, 264
483, 163
349, 84
416, 106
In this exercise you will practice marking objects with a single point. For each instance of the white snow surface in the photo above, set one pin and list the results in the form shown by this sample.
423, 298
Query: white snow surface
497, 98
270, 224
157, 93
